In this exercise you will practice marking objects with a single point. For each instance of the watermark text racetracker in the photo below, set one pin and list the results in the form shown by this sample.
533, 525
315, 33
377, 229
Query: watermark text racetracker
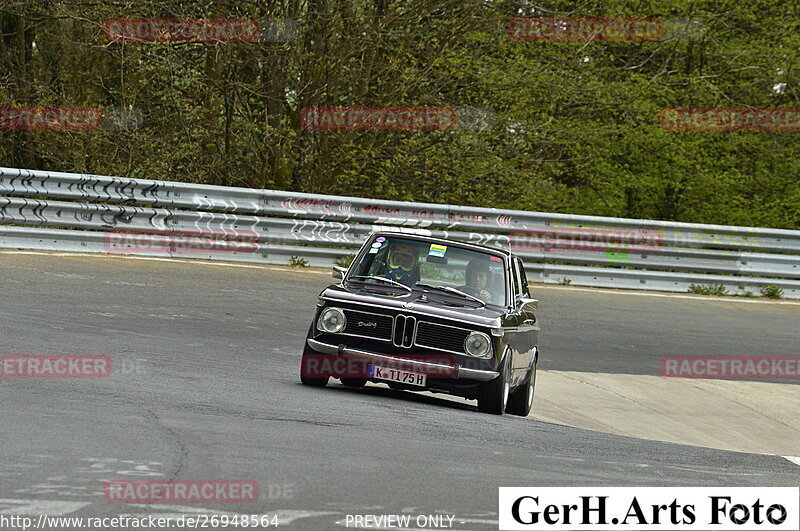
55, 366
353, 366
650, 508
181, 491
211, 30
202, 521
396, 118
41, 118
732, 367
730, 119
586, 29
570, 239
379, 118
181, 241
614, 29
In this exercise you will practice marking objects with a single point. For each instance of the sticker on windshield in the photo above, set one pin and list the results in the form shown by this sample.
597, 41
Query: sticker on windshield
437, 250
380, 239
376, 245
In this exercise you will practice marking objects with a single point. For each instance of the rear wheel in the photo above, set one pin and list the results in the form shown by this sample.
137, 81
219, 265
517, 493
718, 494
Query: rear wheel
493, 395
521, 400
308, 374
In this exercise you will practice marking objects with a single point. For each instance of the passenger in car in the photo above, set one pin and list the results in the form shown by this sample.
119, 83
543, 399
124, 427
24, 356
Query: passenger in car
477, 279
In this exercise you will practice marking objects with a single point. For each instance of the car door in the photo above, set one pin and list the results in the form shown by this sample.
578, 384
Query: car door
526, 335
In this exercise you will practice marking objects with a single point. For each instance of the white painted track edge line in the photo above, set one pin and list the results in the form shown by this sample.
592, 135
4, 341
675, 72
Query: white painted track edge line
675, 295
165, 259
792, 459
669, 295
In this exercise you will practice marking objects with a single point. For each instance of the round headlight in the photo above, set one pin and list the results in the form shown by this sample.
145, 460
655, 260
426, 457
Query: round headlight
331, 320
478, 345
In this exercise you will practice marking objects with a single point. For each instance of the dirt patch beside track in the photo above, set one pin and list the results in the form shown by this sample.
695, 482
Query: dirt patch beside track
742, 416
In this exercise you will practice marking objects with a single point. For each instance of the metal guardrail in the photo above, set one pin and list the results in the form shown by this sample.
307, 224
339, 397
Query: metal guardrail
94, 213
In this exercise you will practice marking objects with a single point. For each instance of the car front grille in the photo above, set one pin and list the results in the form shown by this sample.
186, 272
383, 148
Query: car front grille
441, 337
367, 324
405, 331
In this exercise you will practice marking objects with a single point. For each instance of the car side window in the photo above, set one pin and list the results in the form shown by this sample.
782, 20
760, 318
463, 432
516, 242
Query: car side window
515, 279
523, 280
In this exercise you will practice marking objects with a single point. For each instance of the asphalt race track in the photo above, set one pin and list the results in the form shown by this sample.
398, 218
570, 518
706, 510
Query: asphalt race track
205, 385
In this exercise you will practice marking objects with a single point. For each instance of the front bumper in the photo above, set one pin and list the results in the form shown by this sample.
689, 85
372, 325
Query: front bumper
455, 371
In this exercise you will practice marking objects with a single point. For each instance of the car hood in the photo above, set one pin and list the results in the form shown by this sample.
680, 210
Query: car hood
488, 316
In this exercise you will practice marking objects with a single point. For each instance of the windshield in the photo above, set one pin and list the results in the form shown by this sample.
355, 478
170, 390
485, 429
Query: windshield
428, 266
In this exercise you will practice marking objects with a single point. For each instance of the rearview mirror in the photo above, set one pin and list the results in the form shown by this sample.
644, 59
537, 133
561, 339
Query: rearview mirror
338, 272
436, 259
527, 304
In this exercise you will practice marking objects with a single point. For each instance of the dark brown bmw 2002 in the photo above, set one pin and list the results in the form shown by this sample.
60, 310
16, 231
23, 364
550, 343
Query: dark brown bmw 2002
428, 314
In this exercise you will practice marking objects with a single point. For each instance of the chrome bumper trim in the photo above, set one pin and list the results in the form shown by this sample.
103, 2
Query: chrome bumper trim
459, 372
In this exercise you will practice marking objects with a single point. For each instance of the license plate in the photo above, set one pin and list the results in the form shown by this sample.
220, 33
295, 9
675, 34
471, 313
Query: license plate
397, 375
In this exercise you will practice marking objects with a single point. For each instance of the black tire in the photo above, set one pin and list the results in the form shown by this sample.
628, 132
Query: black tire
314, 382
493, 395
354, 382
306, 380
521, 400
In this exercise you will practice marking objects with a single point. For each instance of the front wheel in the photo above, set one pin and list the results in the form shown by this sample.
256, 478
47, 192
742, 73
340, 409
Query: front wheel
493, 395
310, 372
521, 400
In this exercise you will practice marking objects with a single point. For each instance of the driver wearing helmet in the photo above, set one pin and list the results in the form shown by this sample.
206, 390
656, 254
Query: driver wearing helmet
403, 263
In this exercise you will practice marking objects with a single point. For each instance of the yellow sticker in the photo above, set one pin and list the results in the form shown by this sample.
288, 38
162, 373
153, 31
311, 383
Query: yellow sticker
437, 250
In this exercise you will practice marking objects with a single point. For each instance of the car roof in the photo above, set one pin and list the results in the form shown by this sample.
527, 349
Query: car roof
423, 237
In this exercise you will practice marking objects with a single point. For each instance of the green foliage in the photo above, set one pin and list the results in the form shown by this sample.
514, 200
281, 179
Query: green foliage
574, 127
433, 271
296, 261
771, 292
713, 289
345, 261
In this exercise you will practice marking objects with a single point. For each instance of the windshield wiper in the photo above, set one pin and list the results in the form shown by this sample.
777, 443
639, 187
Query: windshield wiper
382, 279
451, 290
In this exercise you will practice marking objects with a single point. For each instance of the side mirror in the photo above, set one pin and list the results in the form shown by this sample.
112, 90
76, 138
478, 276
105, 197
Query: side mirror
526, 304
338, 272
